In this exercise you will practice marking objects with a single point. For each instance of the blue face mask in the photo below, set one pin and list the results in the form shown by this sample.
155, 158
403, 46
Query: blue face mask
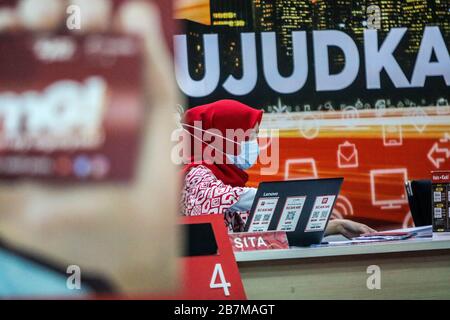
248, 155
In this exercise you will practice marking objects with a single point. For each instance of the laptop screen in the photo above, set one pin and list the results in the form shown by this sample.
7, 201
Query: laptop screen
285, 205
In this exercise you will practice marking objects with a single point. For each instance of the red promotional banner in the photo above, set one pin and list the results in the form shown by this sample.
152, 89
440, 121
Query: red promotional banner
376, 153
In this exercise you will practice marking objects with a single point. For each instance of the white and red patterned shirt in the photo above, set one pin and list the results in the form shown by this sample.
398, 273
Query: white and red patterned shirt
203, 193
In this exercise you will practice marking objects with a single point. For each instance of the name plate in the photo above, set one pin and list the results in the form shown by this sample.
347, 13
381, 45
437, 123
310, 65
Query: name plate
250, 241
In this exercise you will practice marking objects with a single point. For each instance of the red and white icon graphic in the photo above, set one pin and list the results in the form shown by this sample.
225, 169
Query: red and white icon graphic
342, 208
418, 118
297, 169
387, 187
310, 126
440, 151
392, 135
347, 155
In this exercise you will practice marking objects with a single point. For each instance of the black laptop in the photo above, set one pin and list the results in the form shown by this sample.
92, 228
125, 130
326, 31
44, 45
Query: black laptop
419, 199
302, 208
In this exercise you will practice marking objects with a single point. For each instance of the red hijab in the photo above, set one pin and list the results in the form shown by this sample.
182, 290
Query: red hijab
221, 115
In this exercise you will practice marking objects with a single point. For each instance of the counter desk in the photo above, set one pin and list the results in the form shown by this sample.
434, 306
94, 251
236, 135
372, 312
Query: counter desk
409, 269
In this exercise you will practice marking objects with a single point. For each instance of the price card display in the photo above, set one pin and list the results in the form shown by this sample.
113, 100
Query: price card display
320, 212
441, 200
291, 213
263, 214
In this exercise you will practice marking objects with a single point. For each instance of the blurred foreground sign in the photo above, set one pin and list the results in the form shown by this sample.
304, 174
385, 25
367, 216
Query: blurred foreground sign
66, 111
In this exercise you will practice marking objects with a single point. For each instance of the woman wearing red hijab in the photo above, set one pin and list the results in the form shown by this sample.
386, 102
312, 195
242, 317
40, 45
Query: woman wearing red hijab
223, 144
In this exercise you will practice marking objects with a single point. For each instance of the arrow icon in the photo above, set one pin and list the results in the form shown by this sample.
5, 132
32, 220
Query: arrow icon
437, 154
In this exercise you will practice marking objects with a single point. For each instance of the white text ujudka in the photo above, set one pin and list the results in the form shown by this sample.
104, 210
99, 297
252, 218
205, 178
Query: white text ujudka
377, 57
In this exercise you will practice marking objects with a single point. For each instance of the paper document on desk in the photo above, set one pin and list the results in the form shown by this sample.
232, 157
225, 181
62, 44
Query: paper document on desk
391, 235
394, 235
419, 232
385, 236
349, 242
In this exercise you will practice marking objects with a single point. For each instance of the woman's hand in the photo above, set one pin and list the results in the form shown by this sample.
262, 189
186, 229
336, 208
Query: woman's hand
347, 228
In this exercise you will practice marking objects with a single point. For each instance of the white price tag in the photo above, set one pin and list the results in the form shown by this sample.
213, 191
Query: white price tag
291, 213
320, 212
263, 214
438, 213
437, 197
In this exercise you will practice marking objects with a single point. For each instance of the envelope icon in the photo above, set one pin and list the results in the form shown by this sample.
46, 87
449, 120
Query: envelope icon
347, 155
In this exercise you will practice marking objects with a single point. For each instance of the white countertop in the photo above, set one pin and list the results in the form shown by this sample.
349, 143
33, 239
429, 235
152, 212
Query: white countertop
409, 245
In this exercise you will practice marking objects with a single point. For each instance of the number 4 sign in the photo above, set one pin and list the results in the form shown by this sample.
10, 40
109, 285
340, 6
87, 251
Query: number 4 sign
218, 271
213, 276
